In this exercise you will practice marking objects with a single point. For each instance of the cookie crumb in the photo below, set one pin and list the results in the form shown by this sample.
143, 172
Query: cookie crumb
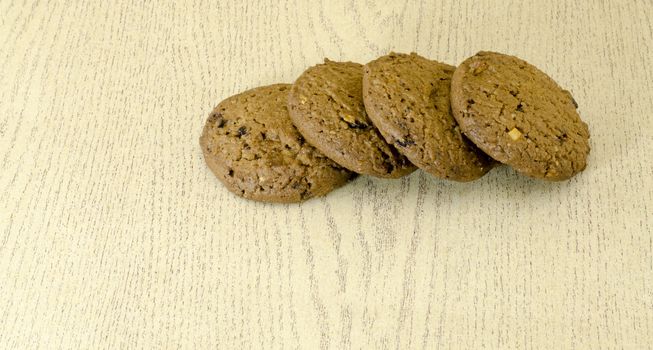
407, 141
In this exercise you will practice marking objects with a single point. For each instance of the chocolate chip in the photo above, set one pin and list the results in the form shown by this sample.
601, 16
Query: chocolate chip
574, 102
520, 107
407, 141
242, 131
357, 125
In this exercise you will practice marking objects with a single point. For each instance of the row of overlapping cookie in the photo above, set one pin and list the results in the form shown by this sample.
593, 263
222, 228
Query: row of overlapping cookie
288, 143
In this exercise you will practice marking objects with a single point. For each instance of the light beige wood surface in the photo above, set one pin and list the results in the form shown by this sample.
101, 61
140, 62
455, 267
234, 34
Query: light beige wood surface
114, 234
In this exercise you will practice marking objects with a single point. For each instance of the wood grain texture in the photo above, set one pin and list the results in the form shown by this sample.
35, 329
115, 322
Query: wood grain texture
114, 234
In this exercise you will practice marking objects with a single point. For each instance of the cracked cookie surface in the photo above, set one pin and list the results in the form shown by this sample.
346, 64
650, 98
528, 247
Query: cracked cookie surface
519, 116
252, 147
407, 97
326, 105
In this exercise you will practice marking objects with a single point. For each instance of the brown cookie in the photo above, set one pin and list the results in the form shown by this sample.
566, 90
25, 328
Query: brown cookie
326, 105
407, 97
251, 145
519, 116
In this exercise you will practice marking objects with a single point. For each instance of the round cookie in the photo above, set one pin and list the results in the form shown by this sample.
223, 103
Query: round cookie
326, 105
407, 97
519, 116
252, 147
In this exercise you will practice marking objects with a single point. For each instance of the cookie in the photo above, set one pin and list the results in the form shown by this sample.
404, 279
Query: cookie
407, 97
326, 105
253, 148
519, 116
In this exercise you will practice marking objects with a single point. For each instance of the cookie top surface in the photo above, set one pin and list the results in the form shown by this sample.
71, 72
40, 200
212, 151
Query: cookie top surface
407, 97
519, 116
252, 147
326, 105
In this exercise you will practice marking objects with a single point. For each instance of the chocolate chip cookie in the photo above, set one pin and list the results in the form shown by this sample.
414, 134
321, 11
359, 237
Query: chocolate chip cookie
407, 97
253, 148
326, 105
519, 116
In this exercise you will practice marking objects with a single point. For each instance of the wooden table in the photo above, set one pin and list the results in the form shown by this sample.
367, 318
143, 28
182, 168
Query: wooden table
114, 234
